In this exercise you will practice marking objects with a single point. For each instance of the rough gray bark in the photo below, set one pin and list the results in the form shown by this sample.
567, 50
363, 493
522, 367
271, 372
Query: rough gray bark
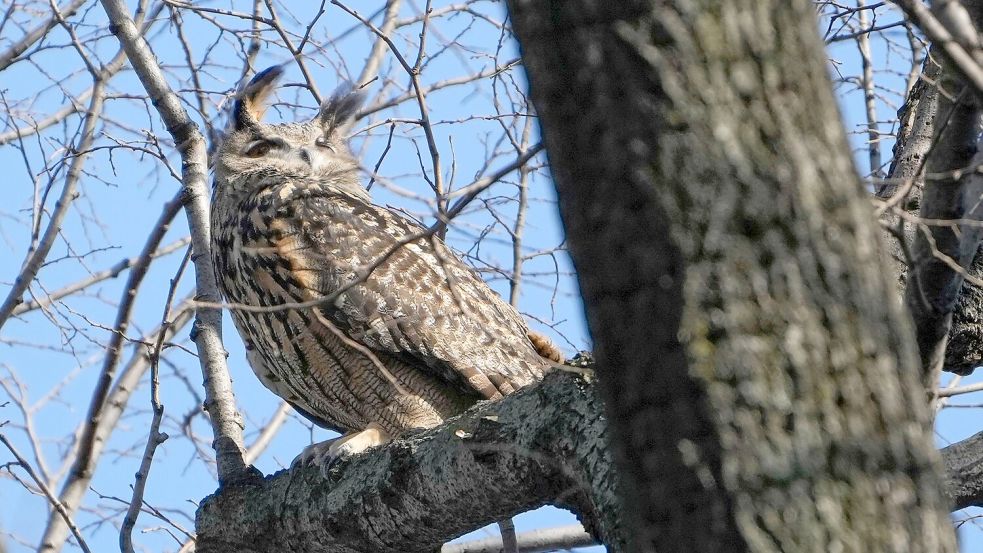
964, 468
933, 284
916, 135
542, 445
965, 350
707, 189
914, 139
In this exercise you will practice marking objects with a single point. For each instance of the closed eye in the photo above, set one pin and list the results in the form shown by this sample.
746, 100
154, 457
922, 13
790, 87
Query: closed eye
325, 143
261, 147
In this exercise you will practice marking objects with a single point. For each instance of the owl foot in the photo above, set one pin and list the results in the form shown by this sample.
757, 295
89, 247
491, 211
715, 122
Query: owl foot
545, 347
325, 454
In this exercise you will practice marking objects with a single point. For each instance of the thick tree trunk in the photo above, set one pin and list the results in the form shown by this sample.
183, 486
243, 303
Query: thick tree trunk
760, 378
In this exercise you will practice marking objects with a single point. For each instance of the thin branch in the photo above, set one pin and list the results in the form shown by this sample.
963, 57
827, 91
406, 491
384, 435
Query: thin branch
78, 478
10, 55
968, 62
867, 83
36, 257
949, 392
155, 436
270, 430
219, 398
421, 99
95, 278
515, 282
59, 508
371, 69
297, 52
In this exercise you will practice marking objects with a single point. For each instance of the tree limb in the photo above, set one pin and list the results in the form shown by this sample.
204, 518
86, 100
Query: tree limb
10, 55
964, 470
902, 192
220, 404
933, 286
547, 445
542, 445
534, 541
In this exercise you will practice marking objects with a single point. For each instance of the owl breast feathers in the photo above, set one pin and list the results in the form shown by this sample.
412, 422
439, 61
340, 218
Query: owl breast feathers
403, 334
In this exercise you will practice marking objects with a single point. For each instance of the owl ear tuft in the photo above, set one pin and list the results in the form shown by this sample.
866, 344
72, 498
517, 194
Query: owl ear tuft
252, 99
338, 112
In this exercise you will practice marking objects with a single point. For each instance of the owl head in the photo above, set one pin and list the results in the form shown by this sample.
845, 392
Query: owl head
314, 150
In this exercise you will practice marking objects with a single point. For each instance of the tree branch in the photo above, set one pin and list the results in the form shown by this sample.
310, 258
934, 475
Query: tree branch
535, 541
933, 286
545, 444
966, 57
10, 55
542, 445
920, 117
226, 422
964, 470
35, 258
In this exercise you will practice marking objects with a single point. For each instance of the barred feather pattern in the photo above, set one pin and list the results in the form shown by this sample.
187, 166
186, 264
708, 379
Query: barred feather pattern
435, 338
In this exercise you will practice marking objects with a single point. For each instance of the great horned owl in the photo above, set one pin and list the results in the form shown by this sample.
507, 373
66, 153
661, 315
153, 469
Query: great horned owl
414, 335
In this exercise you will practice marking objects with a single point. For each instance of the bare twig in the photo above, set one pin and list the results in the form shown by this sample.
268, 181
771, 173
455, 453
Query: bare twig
867, 83
968, 62
270, 430
155, 437
36, 256
10, 55
77, 483
112, 272
219, 399
371, 69
421, 99
59, 508
949, 392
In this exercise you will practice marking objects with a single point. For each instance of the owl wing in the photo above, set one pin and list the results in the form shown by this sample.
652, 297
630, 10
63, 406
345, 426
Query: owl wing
420, 302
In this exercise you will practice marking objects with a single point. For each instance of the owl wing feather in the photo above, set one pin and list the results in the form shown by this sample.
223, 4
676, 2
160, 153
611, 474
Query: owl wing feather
421, 303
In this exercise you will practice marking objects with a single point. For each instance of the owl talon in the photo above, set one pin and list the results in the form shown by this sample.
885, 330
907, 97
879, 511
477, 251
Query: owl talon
328, 453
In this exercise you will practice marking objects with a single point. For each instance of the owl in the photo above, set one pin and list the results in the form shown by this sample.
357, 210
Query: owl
371, 326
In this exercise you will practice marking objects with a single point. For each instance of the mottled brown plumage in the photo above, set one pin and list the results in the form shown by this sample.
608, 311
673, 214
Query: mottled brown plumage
414, 338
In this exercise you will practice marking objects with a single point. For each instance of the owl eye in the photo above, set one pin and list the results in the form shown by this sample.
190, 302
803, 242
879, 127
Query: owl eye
259, 148
324, 143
